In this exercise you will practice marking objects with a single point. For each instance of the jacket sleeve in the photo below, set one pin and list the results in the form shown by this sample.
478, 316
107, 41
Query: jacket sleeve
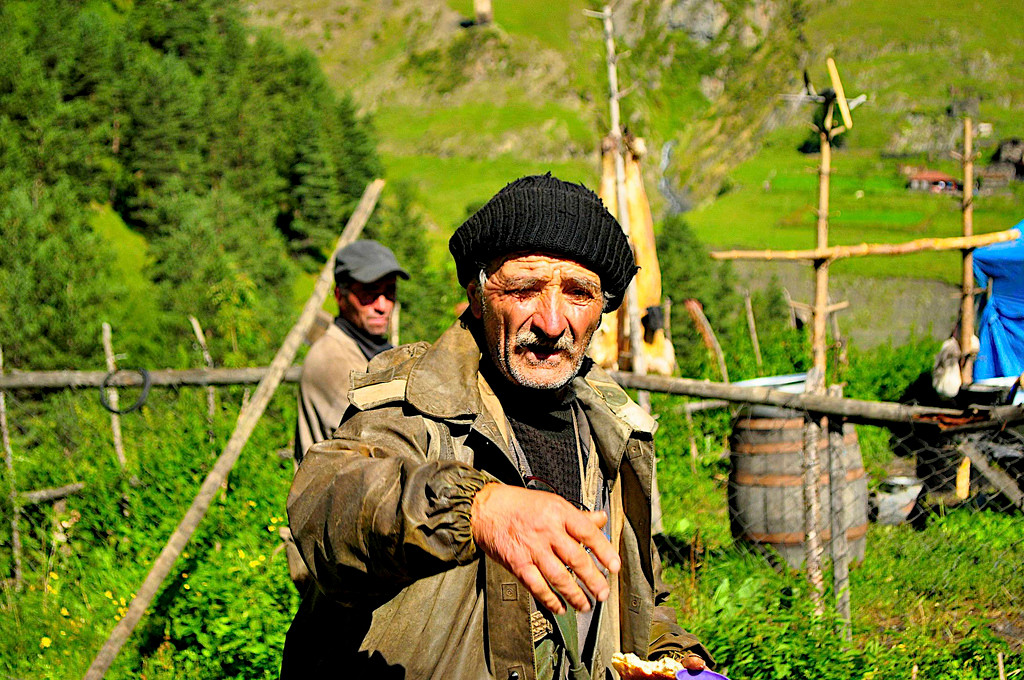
667, 637
371, 513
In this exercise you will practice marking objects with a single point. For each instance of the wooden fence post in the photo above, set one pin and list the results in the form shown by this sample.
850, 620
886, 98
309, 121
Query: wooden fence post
752, 327
115, 419
813, 430
967, 278
247, 423
211, 401
11, 484
840, 549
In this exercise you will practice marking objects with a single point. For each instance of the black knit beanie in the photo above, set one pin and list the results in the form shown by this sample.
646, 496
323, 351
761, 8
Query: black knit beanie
541, 213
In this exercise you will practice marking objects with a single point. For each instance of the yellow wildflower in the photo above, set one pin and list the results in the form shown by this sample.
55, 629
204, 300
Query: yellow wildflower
45, 642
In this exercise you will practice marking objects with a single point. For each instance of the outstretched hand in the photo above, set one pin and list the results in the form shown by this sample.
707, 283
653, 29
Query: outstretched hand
545, 542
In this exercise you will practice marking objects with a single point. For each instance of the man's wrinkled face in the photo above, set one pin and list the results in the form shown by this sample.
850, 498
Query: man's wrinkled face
368, 305
539, 313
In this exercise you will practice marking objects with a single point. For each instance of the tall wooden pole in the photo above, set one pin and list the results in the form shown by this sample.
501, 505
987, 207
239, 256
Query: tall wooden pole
636, 334
967, 282
816, 428
11, 484
246, 424
820, 320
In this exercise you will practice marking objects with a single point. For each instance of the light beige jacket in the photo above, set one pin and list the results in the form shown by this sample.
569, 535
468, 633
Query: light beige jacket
323, 388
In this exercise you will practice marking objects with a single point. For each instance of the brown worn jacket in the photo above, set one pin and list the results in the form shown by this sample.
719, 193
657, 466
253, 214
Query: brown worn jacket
381, 516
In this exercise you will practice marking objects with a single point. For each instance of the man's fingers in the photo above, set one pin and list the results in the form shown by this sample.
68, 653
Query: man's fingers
561, 579
590, 536
582, 564
539, 588
598, 517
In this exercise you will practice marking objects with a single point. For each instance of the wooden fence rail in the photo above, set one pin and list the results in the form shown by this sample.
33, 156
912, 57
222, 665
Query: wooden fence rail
856, 410
881, 413
56, 380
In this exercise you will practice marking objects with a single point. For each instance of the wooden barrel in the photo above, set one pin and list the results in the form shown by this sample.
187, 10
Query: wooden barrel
766, 502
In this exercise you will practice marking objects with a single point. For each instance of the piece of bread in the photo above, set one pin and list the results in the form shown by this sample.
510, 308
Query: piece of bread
632, 667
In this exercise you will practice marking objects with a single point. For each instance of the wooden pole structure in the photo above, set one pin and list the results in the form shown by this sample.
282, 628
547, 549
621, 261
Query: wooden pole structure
1003, 482
817, 426
863, 249
967, 282
211, 401
752, 327
47, 495
635, 332
12, 486
115, 419
285, 355
837, 335
864, 412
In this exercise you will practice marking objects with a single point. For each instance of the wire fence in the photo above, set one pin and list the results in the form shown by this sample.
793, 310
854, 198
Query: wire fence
905, 515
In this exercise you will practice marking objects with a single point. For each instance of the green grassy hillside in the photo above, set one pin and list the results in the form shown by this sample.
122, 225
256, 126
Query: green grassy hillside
461, 110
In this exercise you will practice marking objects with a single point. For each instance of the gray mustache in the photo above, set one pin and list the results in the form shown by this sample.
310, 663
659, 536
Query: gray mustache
533, 339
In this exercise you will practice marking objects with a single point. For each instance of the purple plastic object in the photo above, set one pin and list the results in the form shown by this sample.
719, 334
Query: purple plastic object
699, 675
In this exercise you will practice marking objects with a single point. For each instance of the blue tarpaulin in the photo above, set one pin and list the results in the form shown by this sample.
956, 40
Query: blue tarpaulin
1001, 328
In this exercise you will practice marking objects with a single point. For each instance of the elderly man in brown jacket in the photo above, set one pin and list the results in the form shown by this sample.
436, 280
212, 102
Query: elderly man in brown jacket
484, 511
365, 285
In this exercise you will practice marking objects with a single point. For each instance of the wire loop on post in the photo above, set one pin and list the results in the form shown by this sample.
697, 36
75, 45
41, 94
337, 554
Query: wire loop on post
146, 383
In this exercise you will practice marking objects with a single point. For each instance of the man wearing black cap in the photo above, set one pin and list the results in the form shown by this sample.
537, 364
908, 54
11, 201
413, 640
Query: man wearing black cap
485, 509
365, 279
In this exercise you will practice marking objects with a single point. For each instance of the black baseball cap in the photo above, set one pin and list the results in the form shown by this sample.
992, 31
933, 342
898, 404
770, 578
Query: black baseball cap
365, 261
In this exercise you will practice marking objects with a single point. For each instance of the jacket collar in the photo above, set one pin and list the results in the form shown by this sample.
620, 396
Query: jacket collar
444, 384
